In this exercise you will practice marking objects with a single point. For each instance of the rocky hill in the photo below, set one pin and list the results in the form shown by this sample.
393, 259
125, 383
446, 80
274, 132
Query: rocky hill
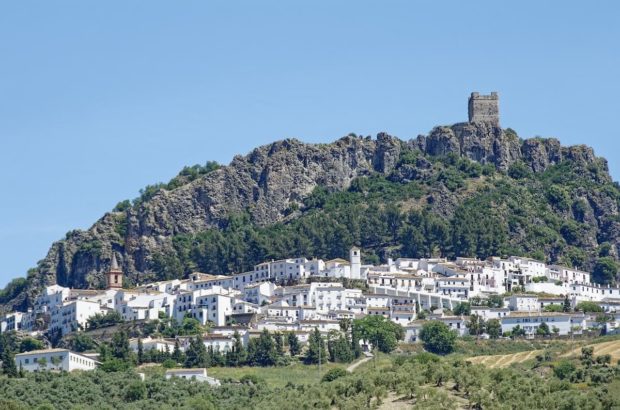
466, 189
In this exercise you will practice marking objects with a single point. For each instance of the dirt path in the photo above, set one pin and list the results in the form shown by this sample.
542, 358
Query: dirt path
353, 366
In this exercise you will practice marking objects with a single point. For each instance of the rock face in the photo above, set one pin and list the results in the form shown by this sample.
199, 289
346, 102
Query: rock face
482, 142
273, 179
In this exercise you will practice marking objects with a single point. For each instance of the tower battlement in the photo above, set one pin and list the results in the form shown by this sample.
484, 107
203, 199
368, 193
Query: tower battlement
484, 108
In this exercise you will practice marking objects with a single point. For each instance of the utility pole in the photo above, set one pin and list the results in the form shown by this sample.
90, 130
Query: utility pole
320, 348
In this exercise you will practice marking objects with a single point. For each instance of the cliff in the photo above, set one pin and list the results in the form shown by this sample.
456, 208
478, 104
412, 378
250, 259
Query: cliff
272, 183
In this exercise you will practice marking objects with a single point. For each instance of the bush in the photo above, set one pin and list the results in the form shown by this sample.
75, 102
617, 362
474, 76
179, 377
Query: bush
251, 379
135, 391
563, 369
519, 170
334, 374
426, 357
588, 307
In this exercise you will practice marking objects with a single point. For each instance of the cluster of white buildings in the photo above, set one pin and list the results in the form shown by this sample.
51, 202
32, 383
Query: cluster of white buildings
299, 295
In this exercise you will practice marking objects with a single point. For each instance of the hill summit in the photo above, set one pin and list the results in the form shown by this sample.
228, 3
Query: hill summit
469, 189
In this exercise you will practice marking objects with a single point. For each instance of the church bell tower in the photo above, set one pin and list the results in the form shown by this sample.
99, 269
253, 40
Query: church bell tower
114, 277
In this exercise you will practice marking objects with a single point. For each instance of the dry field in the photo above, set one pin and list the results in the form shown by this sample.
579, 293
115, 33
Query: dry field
612, 348
504, 360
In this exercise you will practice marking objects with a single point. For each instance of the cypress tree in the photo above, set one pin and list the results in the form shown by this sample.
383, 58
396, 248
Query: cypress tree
140, 351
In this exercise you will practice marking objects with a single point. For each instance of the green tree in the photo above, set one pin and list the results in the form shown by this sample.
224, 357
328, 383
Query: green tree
333, 374
29, 344
563, 369
294, 347
120, 345
543, 330
476, 325
437, 337
495, 301
196, 353
588, 307
42, 362
316, 348
279, 342
99, 320
81, 342
339, 348
605, 270
262, 351
135, 391
566, 307
236, 356
494, 328
517, 331
177, 354
554, 308
8, 362
380, 332
140, 351
463, 308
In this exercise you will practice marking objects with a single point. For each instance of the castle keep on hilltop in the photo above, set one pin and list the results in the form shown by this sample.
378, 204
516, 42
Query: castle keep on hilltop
484, 108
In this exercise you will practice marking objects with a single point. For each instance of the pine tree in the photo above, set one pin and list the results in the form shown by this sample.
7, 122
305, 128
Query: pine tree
316, 348
177, 355
236, 356
567, 305
120, 345
196, 354
8, 363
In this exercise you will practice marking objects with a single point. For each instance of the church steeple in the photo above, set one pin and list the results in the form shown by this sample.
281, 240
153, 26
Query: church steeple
114, 277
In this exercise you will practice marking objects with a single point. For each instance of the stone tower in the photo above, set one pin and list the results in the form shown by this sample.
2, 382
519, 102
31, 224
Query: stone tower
114, 278
484, 108
355, 258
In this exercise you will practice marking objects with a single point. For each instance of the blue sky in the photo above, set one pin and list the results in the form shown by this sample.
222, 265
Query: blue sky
98, 99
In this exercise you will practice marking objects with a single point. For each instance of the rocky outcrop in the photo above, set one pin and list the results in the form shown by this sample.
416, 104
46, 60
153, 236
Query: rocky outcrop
481, 142
273, 179
265, 184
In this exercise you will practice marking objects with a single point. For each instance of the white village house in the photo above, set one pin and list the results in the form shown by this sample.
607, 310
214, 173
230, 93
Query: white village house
54, 359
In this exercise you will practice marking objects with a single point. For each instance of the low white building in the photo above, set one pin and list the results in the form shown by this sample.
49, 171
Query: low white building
523, 303
140, 305
54, 359
219, 343
11, 321
456, 323
199, 375
259, 293
488, 313
530, 321
72, 316
161, 345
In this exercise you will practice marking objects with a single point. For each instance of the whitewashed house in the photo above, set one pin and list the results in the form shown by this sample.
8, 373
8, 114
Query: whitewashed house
51, 297
530, 321
259, 293
161, 345
54, 359
11, 321
72, 316
199, 375
523, 303
217, 342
